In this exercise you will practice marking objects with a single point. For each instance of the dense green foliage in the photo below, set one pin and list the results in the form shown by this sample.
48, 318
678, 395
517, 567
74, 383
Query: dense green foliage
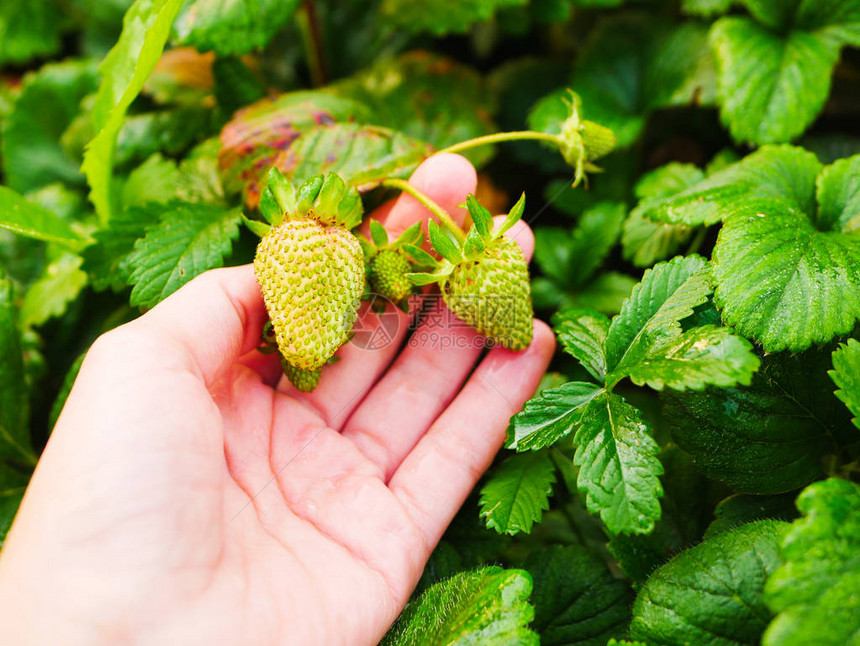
687, 472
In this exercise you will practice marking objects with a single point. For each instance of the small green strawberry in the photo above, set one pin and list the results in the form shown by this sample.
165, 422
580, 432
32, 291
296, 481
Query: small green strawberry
484, 280
310, 266
581, 142
304, 380
388, 263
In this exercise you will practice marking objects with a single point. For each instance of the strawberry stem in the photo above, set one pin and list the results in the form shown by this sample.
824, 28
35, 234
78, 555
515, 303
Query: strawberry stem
429, 204
518, 135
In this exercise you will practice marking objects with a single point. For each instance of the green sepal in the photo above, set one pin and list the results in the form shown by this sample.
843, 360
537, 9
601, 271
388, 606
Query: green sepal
340, 200
420, 256
473, 246
257, 228
412, 236
444, 245
378, 234
481, 217
278, 199
514, 216
367, 248
420, 279
330, 201
599, 141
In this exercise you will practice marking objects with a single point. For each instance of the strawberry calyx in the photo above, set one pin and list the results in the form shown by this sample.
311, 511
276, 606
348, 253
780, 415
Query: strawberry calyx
388, 263
479, 238
326, 199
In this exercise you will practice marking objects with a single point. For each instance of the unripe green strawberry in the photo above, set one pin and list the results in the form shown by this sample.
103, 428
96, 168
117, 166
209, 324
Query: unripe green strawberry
387, 274
310, 267
304, 380
390, 263
484, 278
493, 295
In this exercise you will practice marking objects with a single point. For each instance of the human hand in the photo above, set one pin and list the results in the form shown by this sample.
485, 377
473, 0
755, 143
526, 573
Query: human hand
190, 495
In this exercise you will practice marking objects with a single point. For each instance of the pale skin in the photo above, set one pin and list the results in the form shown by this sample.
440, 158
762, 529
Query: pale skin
189, 496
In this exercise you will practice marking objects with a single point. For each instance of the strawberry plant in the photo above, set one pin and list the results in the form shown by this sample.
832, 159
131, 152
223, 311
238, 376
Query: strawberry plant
687, 472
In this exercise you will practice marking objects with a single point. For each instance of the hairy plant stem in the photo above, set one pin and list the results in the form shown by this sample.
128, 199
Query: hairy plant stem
517, 135
434, 208
309, 26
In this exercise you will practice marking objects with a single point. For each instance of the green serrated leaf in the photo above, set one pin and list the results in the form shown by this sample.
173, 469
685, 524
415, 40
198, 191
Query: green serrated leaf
739, 509
782, 282
771, 86
685, 512
362, 155
838, 193
846, 376
769, 437
32, 221
487, 606
550, 416
107, 261
123, 71
576, 598
645, 241
816, 591
14, 399
517, 492
667, 293
154, 180
783, 172
60, 283
702, 356
50, 99
619, 470
582, 334
712, 593
260, 132
232, 26
190, 239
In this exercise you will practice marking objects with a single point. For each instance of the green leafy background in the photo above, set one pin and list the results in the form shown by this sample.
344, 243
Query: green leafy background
687, 471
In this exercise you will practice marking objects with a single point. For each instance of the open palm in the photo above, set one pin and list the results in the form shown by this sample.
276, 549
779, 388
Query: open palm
190, 495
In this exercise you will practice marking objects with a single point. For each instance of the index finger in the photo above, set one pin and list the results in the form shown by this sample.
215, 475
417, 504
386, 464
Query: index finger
447, 179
